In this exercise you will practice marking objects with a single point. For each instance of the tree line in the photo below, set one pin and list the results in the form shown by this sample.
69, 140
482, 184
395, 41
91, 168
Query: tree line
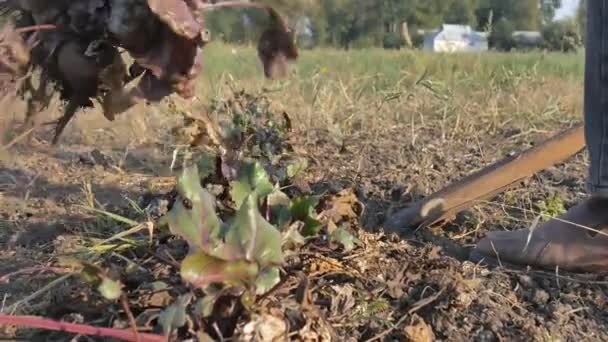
367, 23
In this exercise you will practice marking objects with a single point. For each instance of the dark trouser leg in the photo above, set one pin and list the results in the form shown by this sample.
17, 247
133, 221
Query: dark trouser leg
564, 242
596, 98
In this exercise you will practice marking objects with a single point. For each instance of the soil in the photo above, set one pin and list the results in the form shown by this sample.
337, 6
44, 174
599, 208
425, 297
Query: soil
418, 286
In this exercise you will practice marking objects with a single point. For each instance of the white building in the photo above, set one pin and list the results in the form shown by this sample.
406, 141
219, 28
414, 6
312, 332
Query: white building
455, 38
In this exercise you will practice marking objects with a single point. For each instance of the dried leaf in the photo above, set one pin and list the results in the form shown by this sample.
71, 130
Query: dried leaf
343, 207
344, 299
178, 16
264, 328
292, 237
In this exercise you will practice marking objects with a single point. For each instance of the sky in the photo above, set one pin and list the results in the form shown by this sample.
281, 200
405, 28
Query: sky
568, 8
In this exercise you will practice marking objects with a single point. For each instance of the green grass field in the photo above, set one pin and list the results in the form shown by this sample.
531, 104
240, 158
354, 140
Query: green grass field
393, 65
376, 86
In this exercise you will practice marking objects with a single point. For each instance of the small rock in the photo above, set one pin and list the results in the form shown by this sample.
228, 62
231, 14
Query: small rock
158, 207
397, 193
486, 336
465, 300
465, 216
526, 281
263, 328
95, 158
419, 331
215, 189
541, 297
158, 299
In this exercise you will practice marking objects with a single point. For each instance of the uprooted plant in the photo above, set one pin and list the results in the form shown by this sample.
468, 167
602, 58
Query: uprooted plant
79, 50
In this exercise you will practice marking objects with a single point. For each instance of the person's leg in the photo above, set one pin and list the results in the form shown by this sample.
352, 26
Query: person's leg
596, 102
563, 242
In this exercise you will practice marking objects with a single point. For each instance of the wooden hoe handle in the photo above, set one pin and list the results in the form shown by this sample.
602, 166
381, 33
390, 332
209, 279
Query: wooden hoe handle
489, 181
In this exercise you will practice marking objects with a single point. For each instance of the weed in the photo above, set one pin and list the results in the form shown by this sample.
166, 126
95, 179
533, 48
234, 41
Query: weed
552, 206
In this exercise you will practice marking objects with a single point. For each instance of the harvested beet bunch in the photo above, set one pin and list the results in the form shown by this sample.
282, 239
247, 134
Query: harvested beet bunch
77, 46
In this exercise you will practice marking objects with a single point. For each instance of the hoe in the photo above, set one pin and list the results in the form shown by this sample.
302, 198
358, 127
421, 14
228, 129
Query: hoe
488, 182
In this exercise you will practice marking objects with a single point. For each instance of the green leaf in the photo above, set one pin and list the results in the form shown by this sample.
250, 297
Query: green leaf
158, 286
174, 317
267, 279
311, 227
345, 238
278, 202
201, 270
113, 216
301, 209
206, 165
252, 178
193, 216
110, 289
188, 183
248, 300
205, 305
251, 234
297, 168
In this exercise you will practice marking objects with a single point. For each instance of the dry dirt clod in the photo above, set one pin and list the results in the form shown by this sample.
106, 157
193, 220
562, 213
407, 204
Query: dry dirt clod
264, 328
418, 330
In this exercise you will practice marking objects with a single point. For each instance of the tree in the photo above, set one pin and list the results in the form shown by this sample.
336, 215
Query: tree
501, 36
228, 27
364, 23
460, 12
430, 14
562, 35
523, 14
548, 9
581, 16
340, 19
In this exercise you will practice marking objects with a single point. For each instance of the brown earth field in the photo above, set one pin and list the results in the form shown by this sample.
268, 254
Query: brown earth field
378, 130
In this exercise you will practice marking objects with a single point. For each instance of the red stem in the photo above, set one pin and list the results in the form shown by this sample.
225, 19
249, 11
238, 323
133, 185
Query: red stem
48, 324
36, 28
125, 305
7, 277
